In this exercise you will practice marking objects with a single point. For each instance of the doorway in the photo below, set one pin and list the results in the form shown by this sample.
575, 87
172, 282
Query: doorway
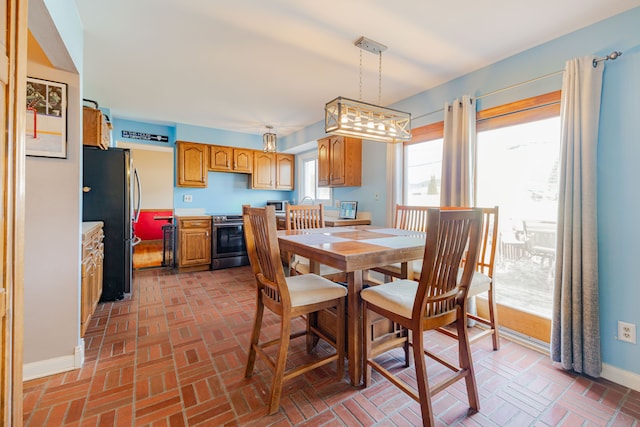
155, 170
518, 170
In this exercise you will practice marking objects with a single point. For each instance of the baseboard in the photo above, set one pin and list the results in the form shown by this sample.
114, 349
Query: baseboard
56, 365
620, 376
611, 373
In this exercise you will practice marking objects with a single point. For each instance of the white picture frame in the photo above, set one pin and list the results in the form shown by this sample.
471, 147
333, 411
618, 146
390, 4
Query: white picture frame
348, 210
46, 127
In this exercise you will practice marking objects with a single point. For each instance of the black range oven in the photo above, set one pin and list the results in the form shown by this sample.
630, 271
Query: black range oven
228, 248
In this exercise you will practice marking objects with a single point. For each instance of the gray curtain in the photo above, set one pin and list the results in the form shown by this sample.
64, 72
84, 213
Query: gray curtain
459, 153
575, 330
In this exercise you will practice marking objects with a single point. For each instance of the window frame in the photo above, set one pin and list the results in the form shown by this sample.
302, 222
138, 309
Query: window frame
306, 157
419, 135
523, 111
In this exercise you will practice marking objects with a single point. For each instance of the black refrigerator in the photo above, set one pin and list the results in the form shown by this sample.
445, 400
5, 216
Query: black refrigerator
109, 183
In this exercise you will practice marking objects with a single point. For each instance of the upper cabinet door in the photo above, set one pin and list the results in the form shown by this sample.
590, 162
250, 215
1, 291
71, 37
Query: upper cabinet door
284, 171
323, 163
220, 158
339, 162
192, 164
264, 170
242, 160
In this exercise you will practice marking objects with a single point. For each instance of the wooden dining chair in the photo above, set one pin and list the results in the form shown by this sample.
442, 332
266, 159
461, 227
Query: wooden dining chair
288, 298
414, 218
304, 216
438, 299
301, 217
411, 218
482, 281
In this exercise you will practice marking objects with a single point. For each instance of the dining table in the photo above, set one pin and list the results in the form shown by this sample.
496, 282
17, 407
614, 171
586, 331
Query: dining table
354, 250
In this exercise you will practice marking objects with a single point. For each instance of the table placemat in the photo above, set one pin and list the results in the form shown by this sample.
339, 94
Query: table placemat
313, 238
398, 241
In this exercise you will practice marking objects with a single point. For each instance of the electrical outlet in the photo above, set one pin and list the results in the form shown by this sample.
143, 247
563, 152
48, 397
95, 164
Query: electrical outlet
626, 332
187, 198
338, 204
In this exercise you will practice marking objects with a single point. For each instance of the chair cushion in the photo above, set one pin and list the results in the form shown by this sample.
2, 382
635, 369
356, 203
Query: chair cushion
311, 288
301, 265
480, 282
396, 297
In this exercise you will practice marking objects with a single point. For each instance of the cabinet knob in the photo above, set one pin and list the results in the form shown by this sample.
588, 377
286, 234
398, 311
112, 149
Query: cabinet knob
86, 189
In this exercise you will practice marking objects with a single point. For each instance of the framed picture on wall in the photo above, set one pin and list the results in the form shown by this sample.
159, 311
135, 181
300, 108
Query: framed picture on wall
46, 119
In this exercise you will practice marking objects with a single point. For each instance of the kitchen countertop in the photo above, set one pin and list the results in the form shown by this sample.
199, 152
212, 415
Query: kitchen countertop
329, 221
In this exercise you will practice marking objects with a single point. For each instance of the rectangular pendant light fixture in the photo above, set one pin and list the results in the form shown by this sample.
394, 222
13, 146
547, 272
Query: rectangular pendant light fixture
348, 117
344, 116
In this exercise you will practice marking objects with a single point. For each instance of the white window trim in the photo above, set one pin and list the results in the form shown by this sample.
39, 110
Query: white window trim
304, 157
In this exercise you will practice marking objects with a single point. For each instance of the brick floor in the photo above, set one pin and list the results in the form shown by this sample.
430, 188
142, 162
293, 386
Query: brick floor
173, 354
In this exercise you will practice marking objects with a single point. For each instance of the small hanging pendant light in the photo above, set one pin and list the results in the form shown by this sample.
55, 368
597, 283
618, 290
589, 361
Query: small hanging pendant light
269, 140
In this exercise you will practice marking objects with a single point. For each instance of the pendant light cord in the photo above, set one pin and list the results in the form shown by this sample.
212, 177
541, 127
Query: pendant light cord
379, 78
360, 98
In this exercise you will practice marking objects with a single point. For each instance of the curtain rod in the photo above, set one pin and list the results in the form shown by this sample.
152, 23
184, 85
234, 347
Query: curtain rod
612, 56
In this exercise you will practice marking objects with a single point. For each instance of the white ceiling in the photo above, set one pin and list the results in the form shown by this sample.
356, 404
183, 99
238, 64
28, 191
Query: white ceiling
240, 65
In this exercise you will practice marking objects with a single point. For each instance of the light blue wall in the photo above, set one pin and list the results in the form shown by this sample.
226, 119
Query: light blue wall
374, 181
619, 194
618, 154
150, 128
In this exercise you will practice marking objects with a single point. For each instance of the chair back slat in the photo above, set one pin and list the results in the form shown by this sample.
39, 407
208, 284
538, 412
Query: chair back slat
264, 255
299, 217
452, 234
489, 242
412, 218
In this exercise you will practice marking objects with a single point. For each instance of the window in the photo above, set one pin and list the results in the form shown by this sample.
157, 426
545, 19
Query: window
423, 166
517, 169
309, 180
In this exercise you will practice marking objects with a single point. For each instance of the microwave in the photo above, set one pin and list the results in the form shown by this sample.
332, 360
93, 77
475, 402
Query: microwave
279, 205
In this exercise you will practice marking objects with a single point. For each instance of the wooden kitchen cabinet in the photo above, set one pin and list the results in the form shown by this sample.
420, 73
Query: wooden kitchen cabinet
92, 271
284, 171
273, 171
192, 168
339, 162
229, 159
242, 160
194, 242
95, 128
220, 158
264, 171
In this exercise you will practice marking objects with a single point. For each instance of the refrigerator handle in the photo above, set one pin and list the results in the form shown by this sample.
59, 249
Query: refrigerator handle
138, 190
